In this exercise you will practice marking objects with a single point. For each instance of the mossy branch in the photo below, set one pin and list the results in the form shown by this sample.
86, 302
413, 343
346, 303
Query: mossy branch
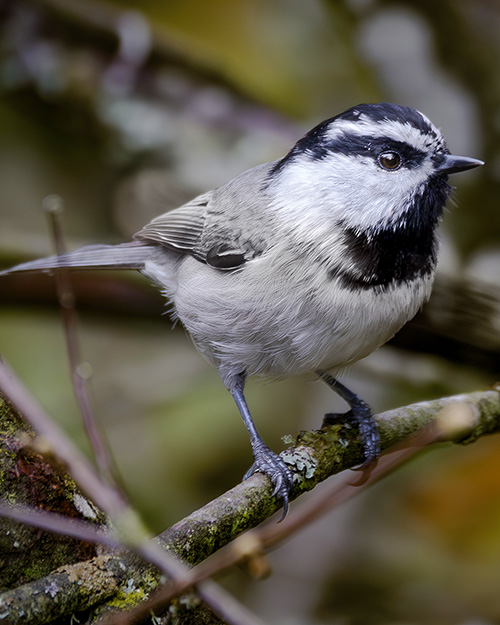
121, 579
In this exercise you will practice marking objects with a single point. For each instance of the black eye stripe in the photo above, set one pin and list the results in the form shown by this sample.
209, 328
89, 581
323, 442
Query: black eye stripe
316, 145
364, 145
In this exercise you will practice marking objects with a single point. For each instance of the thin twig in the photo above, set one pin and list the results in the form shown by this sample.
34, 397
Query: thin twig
52, 440
455, 421
131, 529
53, 205
254, 543
209, 528
51, 522
129, 526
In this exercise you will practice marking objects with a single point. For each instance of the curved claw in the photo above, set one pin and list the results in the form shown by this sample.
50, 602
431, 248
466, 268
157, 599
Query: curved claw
365, 470
272, 465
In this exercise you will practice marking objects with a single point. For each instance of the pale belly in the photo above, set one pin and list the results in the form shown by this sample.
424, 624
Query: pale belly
265, 323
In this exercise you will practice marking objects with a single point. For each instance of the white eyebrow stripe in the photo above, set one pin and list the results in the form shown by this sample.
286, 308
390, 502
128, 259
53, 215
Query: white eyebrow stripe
391, 129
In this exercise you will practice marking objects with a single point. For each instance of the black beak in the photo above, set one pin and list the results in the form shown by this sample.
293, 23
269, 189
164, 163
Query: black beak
454, 164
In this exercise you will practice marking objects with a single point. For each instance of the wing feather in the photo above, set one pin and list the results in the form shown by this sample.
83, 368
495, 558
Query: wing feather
217, 227
180, 229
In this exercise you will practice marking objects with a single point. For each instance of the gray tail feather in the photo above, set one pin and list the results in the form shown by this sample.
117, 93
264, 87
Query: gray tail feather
131, 255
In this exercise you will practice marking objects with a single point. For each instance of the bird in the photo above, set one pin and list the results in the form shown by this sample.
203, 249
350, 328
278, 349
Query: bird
303, 265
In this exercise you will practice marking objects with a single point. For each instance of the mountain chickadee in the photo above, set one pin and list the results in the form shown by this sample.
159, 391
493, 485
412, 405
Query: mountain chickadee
305, 264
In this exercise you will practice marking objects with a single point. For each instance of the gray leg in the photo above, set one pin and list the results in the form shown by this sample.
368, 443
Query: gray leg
360, 414
266, 461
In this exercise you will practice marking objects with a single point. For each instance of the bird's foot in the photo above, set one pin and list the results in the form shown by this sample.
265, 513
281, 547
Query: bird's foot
272, 465
369, 436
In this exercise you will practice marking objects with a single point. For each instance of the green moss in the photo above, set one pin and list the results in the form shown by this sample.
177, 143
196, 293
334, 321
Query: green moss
124, 600
35, 570
11, 424
27, 478
132, 593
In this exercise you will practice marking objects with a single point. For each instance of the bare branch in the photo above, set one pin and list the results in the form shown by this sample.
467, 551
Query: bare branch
249, 548
316, 455
58, 523
53, 205
51, 440
126, 521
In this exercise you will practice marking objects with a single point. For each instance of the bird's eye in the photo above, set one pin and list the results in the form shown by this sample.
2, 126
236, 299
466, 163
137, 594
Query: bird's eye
389, 160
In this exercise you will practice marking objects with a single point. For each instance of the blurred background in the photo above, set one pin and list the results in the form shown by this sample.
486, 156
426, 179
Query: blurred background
126, 109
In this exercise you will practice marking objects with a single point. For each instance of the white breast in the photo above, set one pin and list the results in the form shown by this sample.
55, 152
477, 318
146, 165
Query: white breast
276, 318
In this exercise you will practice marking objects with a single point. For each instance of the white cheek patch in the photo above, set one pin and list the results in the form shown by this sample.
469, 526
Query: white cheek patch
312, 195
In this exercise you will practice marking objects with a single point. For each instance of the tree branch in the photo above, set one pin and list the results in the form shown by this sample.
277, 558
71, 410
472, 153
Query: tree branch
127, 523
315, 455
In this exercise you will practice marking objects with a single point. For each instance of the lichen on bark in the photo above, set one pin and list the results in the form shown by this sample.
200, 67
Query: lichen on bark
27, 477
